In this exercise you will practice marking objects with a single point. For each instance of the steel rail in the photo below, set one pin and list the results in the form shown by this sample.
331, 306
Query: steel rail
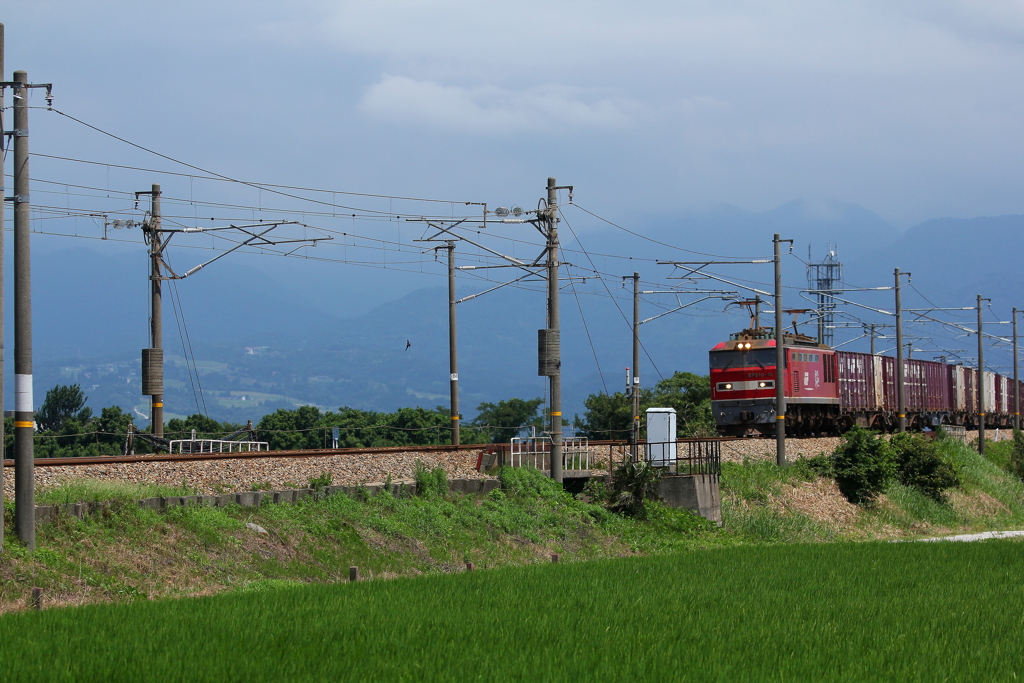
320, 453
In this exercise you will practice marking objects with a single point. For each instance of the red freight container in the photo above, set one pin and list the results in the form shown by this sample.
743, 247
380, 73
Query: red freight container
856, 381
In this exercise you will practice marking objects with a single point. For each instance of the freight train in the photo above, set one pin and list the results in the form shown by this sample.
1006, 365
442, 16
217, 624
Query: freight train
829, 391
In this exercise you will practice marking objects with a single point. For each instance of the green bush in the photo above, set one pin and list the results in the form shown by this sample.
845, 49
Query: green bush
863, 465
431, 483
1016, 461
529, 482
634, 484
919, 465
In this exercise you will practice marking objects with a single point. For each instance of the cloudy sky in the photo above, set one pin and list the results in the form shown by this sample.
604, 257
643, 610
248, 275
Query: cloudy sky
911, 109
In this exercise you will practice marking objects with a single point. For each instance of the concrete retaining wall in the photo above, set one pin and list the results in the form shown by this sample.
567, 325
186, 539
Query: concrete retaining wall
696, 492
50, 513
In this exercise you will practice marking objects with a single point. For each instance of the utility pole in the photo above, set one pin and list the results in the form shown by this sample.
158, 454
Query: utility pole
757, 312
153, 357
24, 415
872, 327
901, 406
3, 202
453, 356
553, 350
634, 433
1016, 378
981, 382
780, 361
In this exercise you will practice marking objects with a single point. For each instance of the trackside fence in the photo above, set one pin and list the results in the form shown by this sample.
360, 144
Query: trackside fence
535, 451
691, 456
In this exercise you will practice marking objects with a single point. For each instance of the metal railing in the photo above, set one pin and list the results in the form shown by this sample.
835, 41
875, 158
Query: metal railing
216, 446
535, 451
686, 456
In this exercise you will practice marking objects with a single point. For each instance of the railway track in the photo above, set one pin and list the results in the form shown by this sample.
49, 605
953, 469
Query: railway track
246, 455
319, 453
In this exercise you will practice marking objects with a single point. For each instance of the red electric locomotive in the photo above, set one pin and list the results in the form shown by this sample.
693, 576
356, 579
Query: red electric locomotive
743, 377
829, 391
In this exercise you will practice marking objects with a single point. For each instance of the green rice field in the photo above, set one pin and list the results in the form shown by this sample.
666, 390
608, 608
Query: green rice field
836, 612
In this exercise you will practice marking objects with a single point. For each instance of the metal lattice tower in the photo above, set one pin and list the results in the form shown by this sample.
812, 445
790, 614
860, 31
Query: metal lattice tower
822, 279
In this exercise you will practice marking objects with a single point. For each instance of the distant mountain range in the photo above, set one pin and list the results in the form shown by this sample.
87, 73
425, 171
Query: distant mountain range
271, 333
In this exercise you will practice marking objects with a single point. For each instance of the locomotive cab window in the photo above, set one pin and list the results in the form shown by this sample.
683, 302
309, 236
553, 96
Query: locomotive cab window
724, 360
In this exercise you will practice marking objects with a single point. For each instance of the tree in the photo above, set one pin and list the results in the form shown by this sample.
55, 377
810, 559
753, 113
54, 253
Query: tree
292, 429
690, 395
205, 427
506, 419
63, 403
608, 416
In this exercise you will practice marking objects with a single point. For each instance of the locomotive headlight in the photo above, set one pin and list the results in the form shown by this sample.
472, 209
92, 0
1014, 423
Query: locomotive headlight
728, 386
762, 385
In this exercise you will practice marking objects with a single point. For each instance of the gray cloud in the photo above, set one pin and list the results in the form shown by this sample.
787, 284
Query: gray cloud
909, 108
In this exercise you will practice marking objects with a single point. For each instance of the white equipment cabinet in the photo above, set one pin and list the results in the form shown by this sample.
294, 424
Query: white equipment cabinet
661, 437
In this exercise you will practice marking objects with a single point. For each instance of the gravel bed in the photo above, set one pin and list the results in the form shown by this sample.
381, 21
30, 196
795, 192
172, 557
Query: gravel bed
764, 449
227, 476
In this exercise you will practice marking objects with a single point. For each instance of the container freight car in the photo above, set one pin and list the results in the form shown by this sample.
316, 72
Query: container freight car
829, 391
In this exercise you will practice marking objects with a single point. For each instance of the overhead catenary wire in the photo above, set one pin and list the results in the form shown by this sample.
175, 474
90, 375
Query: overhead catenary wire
221, 176
605, 284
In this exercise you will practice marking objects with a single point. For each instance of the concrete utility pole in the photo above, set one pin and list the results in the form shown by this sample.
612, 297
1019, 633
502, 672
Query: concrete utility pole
901, 405
552, 347
1017, 386
981, 381
24, 415
3, 202
757, 312
780, 361
634, 433
872, 328
453, 356
153, 357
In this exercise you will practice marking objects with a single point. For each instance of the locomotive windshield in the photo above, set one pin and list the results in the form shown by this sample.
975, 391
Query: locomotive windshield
723, 360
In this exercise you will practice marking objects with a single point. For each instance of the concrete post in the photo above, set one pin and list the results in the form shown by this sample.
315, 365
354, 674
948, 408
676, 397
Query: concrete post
24, 406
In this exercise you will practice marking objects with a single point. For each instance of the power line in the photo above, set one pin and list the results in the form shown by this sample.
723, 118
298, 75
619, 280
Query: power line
223, 177
607, 289
649, 239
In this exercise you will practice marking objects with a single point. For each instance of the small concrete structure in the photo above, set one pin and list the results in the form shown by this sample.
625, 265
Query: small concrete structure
696, 492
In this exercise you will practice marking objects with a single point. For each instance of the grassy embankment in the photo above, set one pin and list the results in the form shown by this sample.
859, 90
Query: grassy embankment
762, 503
130, 553
839, 612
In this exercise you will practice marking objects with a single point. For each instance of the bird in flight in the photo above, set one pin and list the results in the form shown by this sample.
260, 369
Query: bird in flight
407, 344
